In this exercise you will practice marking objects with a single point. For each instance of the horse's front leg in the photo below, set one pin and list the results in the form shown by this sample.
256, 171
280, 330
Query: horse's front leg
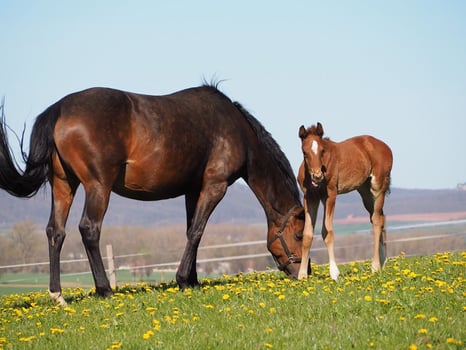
310, 214
198, 209
328, 234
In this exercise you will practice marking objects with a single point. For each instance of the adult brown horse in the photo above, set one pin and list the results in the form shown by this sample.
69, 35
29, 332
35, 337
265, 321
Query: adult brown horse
194, 142
361, 163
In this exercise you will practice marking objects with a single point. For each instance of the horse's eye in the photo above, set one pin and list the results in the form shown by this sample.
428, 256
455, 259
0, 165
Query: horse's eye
298, 236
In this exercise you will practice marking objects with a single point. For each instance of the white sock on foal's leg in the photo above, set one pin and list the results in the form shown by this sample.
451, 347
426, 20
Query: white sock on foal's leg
334, 272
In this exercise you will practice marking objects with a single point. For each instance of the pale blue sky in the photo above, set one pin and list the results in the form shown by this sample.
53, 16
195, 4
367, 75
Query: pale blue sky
394, 69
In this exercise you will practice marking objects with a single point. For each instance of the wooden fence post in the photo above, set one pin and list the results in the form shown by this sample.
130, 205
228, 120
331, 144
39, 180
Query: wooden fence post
111, 266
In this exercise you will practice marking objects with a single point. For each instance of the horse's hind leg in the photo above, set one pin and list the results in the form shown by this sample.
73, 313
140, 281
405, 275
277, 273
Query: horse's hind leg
97, 197
62, 197
373, 199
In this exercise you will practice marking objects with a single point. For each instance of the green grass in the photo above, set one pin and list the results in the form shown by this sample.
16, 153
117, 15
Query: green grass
415, 303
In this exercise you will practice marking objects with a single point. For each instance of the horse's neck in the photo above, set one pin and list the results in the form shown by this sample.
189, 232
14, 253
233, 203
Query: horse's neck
331, 150
274, 192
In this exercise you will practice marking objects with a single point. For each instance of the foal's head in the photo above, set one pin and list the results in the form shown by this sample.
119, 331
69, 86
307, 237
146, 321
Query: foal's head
313, 151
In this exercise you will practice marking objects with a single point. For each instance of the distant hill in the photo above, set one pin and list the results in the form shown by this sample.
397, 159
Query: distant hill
239, 206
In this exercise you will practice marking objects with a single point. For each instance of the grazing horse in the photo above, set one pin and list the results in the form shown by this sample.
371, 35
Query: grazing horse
361, 163
195, 142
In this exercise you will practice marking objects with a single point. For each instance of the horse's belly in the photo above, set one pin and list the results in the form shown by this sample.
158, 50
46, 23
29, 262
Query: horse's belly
153, 182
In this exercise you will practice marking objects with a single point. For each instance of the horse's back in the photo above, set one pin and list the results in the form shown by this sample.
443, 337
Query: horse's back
157, 145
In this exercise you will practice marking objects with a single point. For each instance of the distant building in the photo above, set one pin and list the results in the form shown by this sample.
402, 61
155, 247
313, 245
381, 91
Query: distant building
461, 186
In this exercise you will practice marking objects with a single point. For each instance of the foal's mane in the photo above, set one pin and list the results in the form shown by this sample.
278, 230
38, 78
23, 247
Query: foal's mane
312, 130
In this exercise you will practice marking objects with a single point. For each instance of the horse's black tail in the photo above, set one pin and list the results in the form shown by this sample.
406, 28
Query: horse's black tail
28, 182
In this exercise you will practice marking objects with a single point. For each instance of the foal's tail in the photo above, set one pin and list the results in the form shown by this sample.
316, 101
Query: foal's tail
28, 182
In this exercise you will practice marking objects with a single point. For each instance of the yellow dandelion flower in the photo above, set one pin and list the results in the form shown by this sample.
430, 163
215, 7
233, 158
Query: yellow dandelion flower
262, 304
116, 345
368, 298
413, 347
226, 296
56, 330
69, 310
147, 335
422, 331
268, 345
420, 316
272, 310
433, 319
281, 297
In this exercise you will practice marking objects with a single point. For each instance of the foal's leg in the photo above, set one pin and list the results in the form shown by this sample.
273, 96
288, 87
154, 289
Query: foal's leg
378, 225
328, 234
62, 197
311, 207
373, 201
97, 197
198, 210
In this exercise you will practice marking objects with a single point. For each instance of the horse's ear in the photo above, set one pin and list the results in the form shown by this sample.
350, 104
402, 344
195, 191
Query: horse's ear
319, 130
302, 132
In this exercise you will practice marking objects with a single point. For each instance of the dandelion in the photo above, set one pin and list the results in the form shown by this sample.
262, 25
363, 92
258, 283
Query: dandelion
147, 335
69, 310
226, 296
116, 345
413, 347
272, 310
156, 324
422, 331
433, 319
420, 316
56, 330
368, 298
281, 297
268, 345
262, 304
27, 339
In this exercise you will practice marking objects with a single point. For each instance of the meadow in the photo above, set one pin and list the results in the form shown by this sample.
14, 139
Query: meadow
414, 303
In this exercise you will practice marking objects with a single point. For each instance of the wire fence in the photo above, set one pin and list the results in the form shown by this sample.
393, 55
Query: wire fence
113, 264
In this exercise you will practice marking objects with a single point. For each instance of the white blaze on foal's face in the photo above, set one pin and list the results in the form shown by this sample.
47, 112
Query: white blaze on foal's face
314, 147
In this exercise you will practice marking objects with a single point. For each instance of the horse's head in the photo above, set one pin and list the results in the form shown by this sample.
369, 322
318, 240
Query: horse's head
285, 245
313, 149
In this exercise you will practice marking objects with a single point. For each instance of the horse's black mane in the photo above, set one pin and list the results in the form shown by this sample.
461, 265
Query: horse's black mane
282, 162
266, 138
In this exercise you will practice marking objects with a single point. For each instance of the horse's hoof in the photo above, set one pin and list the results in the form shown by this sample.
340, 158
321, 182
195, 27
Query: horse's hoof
58, 298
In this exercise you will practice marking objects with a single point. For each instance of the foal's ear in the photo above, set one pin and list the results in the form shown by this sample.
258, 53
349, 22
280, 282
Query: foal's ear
319, 130
302, 132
